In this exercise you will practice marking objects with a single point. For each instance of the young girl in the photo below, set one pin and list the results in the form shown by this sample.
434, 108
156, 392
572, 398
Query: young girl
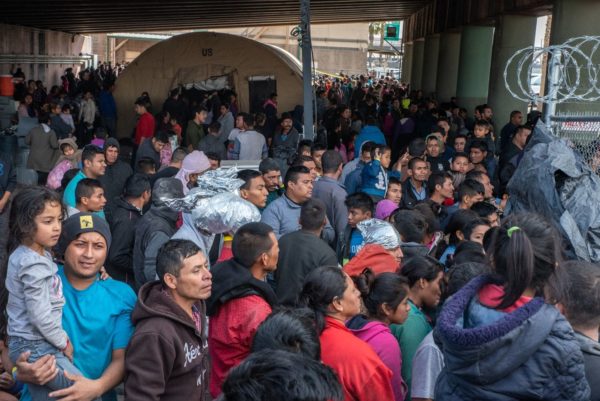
332, 296
35, 298
500, 339
70, 159
424, 276
385, 298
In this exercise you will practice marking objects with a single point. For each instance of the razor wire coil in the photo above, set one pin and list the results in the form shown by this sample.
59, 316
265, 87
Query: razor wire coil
573, 73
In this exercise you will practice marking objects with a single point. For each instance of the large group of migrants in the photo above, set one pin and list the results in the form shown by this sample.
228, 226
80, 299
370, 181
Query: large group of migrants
379, 264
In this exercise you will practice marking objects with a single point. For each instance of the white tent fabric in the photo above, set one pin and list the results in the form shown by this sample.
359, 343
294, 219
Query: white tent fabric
211, 84
204, 58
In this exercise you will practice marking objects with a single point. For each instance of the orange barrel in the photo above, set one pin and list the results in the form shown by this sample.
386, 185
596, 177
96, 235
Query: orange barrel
7, 88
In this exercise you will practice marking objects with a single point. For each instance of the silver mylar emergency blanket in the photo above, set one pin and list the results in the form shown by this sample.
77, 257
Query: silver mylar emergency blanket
215, 205
375, 231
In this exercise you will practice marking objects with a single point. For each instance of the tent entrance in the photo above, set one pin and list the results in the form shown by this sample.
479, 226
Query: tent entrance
196, 92
259, 90
209, 85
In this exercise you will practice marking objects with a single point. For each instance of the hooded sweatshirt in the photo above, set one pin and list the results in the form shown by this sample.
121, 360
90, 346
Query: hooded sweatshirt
75, 158
167, 357
188, 231
115, 176
530, 353
239, 303
194, 163
153, 230
372, 256
380, 338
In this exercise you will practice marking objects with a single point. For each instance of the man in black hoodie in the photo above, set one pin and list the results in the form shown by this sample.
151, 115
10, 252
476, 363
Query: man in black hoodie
241, 298
154, 229
167, 357
124, 214
116, 173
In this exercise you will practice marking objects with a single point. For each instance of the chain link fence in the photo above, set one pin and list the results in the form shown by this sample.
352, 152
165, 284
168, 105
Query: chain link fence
582, 131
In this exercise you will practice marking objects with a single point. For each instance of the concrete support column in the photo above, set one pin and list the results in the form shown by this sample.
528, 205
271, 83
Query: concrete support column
513, 32
448, 60
416, 73
431, 53
573, 18
474, 66
407, 58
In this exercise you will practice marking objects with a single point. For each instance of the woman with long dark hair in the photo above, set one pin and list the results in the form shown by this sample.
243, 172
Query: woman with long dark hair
424, 275
332, 296
499, 337
385, 298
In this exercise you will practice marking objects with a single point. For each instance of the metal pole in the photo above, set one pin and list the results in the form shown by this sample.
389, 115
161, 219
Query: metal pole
307, 69
553, 86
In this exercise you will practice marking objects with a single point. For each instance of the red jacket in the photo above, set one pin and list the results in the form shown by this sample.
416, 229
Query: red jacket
230, 334
374, 257
144, 127
363, 376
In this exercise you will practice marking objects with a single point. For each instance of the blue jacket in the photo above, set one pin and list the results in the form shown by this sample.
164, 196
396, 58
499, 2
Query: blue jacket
107, 105
375, 179
528, 354
353, 181
368, 133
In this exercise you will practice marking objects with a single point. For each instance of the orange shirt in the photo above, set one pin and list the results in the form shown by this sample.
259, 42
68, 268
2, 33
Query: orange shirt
362, 374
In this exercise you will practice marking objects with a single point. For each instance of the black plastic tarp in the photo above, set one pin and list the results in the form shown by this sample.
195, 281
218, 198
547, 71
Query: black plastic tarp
554, 180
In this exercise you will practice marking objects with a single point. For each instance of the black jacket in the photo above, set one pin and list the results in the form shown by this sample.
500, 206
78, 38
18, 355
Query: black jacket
123, 218
343, 245
300, 252
8, 175
113, 181
153, 230
409, 200
438, 164
232, 280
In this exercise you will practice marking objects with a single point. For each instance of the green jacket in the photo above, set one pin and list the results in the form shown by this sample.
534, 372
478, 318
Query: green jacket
410, 334
194, 133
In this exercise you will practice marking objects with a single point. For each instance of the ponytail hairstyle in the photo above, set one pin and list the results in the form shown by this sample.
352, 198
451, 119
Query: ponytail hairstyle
385, 288
321, 287
524, 253
421, 267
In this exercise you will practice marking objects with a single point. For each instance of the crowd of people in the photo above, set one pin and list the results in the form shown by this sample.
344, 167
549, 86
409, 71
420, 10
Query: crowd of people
383, 265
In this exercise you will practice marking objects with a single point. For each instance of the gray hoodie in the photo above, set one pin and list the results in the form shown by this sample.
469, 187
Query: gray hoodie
35, 298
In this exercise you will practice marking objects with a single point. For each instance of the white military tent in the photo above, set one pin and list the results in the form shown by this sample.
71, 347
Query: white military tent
206, 61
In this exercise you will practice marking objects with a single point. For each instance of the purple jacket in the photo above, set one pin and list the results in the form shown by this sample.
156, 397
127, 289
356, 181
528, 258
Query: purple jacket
385, 345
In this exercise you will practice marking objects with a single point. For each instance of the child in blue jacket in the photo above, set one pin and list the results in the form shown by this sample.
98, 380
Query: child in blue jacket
375, 174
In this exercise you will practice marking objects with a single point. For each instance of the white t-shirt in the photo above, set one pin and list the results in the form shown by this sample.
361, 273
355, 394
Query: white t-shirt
428, 362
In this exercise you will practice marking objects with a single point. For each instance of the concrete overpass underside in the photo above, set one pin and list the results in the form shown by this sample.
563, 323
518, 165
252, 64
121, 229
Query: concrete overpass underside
92, 16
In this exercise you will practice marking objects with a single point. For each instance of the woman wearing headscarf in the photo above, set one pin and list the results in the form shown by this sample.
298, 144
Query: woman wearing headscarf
193, 165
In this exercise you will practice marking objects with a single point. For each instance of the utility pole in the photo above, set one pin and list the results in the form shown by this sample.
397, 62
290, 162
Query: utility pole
307, 69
